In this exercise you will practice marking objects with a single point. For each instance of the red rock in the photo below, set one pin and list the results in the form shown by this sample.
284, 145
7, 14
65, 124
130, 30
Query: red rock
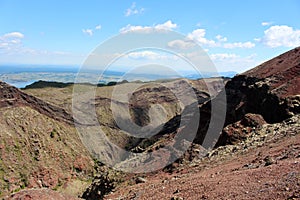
238, 131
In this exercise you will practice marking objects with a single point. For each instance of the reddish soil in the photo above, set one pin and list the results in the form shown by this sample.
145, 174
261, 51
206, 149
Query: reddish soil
268, 172
43, 194
284, 72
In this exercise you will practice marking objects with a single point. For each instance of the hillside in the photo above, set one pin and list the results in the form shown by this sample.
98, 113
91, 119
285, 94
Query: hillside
256, 155
264, 166
146, 95
39, 146
270, 90
282, 73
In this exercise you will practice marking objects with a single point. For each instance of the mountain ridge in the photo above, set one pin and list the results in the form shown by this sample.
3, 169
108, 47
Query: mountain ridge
262, 111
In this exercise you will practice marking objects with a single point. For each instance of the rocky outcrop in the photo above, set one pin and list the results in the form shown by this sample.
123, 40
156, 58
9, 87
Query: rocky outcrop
269, 93
271, 90
265, 165
101, 186
240, 130
252, 95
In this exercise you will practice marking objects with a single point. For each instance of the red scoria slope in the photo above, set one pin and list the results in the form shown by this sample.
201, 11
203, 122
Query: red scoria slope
283, 72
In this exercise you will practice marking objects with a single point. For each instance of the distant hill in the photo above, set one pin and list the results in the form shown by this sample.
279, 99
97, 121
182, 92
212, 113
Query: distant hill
43, 84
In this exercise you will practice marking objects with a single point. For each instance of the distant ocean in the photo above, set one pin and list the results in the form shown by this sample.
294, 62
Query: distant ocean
23, 75
20, 84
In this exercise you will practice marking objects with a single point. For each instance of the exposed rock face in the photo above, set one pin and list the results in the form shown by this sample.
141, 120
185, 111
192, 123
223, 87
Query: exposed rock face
141, 101
270, 90
101, 186
252, 95
238, 131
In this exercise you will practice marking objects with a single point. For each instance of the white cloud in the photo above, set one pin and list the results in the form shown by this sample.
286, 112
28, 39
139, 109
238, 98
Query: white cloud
220, 38
133, 10
281, 36
141, 29
168, 25
246, 45
98, 27
13, 35
11, 41
181, 44
199, 36
223, 56
151, 55
144, 55
12, 50
266, 23
88, 32
233, 62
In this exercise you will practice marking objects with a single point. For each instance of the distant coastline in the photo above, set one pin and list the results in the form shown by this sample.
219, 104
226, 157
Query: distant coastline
22, 76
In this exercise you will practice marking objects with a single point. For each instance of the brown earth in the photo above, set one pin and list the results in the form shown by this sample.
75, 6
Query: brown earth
265, 166
44, 194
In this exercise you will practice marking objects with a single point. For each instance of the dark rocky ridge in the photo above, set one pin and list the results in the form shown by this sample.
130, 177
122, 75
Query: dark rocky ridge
44, 84
11, 96
261, 91
271, 90
252, 95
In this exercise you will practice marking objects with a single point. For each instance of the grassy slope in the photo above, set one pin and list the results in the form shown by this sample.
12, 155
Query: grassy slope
39, 151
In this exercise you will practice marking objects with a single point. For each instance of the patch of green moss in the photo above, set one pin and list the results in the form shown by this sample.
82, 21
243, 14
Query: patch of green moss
54, 134
24, 180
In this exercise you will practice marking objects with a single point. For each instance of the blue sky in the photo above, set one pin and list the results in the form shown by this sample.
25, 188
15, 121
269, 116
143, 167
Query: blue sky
237, 35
